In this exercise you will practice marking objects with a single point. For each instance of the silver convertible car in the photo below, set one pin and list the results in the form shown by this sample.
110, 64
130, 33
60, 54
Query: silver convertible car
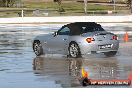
77, 39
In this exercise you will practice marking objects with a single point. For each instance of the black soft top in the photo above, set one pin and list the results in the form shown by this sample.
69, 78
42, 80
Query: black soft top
76, 28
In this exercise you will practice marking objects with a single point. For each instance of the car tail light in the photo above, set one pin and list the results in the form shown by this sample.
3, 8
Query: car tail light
115, 37
89, 40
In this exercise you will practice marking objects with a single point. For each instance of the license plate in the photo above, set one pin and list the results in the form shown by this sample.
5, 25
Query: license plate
105, 46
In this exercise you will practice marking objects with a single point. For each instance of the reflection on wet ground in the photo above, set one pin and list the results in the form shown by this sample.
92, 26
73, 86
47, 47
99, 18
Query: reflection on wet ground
67, 71
64, 72
20, 68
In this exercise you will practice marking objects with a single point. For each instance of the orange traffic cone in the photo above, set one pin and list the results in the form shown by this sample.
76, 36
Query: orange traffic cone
126, 37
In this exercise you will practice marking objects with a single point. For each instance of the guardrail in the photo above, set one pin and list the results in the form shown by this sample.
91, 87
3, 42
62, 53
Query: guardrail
99, 19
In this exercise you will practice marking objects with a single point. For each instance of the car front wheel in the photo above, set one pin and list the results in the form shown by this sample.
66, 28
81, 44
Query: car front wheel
74, 50
37, 47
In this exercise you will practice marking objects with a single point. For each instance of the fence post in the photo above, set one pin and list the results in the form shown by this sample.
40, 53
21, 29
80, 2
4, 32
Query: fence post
22, 13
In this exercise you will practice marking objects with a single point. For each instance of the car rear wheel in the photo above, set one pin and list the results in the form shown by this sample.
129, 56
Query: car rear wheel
37, 47
111, 53
74, 50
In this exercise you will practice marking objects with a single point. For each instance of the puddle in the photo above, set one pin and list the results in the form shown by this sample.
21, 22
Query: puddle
20, 68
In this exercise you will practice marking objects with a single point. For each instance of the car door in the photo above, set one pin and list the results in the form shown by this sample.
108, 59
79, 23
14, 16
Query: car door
60, 42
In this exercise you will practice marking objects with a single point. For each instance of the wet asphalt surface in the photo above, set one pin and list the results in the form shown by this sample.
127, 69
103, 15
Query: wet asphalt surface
20, 68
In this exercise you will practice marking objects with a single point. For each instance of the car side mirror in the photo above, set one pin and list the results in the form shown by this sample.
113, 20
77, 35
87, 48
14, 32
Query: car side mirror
55, 34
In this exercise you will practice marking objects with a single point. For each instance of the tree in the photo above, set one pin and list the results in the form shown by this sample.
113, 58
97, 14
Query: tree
7, 3
61, 9
2, 3
129, 2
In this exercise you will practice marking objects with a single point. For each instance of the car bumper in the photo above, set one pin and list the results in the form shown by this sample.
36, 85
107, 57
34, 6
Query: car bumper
91, 48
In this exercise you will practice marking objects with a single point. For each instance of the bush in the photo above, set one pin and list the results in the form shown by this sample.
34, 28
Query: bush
61, 9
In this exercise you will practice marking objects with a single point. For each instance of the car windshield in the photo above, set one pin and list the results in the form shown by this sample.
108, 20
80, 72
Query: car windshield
86, 29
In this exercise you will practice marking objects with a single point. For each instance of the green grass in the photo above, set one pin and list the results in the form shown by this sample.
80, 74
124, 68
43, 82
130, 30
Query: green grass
71, 8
